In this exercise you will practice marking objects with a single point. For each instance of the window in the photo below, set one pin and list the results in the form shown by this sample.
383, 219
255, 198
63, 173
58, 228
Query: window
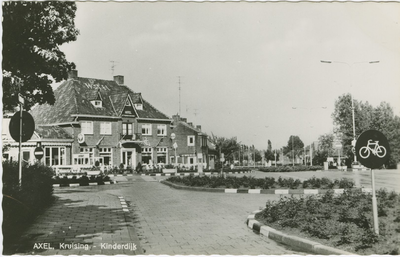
146, 129
87, 150
54, 156
26, 156
191, 141
127, 128
106, 154
161, 130
97, 103
139, 106
87, 127
105, 128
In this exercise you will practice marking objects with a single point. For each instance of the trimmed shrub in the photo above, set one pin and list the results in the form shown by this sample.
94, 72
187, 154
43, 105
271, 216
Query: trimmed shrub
288, 168
21, 204
344, 220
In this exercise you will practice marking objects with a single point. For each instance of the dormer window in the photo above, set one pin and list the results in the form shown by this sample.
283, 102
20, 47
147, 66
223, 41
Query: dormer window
97, 103
139, 106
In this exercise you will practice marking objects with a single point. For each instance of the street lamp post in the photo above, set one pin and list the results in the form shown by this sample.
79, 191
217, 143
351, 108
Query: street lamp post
292, 152
352, 99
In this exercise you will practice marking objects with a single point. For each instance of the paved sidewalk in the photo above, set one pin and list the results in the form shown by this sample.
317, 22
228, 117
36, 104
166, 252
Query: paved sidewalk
83, 221
172, 222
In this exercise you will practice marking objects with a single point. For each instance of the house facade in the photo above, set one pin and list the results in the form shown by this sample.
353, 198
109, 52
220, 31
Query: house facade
190, 145
106, 123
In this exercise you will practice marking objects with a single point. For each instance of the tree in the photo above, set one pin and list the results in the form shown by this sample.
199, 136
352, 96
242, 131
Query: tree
226, 146
381, 118
269, 145
32, 34
326, 143
294, 146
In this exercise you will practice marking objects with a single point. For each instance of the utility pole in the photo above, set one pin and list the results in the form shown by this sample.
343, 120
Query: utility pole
179, 83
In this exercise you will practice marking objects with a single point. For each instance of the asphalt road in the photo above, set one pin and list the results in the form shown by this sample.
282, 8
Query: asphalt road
179, 222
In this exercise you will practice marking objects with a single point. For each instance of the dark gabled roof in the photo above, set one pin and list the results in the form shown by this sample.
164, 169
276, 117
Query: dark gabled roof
52, 132
74, 96
150, 112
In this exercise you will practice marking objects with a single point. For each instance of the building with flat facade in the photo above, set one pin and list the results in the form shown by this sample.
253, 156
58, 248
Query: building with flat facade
103, 122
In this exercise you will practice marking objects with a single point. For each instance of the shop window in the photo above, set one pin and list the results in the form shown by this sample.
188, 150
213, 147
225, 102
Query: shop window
55, 156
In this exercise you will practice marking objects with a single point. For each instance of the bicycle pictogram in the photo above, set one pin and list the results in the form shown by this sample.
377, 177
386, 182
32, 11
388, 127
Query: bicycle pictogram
377, 150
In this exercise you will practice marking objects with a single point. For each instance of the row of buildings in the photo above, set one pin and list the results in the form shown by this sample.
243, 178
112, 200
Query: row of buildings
105, 123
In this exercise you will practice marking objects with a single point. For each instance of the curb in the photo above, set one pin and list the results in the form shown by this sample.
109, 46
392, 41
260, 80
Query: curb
90, 184
299, 242
261, 191
193, 173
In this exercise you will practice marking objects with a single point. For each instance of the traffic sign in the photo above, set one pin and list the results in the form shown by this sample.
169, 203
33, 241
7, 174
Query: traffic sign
175, 145
28, 126
38, 153
372, 149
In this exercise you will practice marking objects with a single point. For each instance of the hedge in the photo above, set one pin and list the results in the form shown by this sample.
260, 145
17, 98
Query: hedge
21, 204
288, 168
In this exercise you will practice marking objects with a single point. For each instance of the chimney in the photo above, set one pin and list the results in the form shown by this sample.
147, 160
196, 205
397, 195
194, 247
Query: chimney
184, 119
72, 74
190, 124
198, 127
119, 79
176, 118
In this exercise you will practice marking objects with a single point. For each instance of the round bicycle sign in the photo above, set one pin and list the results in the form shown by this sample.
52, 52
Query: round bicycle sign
372, 149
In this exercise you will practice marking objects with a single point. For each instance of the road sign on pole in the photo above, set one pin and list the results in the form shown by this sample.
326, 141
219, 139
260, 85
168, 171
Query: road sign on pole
38, 153
372, 150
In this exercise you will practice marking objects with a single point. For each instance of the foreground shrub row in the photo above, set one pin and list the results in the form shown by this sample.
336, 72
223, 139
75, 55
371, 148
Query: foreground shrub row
82, 181
195, 170
21, 204
288, 168
260, 183
343, 221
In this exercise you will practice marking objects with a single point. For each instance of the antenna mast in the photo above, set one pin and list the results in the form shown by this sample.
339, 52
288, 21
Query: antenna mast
113, 67
179, 81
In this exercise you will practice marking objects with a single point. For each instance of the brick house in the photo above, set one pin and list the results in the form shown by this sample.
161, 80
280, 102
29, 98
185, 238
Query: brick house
191, 145
109, 124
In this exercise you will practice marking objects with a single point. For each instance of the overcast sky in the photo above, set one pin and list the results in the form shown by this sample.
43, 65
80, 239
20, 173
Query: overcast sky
244, 66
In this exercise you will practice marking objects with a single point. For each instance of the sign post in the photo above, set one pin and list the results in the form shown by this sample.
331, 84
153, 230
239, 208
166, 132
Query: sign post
222, 163
21, 104
372, 150
21, 130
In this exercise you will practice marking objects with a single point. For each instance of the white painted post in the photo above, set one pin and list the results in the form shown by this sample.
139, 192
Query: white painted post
374, 204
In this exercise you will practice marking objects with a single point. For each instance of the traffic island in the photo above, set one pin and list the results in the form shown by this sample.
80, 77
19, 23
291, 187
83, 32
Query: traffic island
304, 244
262, 191
88, 184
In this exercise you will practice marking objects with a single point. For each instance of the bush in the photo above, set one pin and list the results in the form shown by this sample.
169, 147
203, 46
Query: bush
288, 168
259, 183
21, 204
344, 220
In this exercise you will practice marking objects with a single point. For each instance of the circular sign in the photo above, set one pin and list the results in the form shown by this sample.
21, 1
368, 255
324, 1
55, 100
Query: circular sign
81, 138
372, 149
28, 126
38, 153
173, 136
